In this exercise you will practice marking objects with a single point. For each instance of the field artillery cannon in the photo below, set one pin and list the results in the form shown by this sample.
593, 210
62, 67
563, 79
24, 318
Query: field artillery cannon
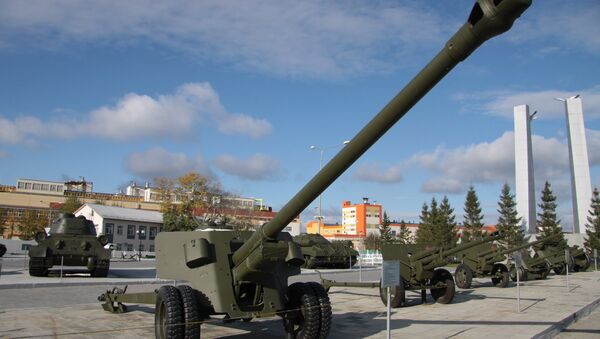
554, 253
487, 261
419, 271
243, 275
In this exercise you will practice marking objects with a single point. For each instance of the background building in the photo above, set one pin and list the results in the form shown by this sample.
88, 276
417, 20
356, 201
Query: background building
128, 229
361, 219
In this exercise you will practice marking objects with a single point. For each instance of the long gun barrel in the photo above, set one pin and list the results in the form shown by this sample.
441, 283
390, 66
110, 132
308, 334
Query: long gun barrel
487, 19
518, 248
448, 252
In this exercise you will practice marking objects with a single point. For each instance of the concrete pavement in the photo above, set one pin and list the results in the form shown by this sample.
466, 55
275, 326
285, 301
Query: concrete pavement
547, 306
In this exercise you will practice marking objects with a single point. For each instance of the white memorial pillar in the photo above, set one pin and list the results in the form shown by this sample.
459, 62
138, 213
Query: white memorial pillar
581, 185
524, 181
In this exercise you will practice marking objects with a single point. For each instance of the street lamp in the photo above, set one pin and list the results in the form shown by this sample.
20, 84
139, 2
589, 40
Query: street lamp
322, 149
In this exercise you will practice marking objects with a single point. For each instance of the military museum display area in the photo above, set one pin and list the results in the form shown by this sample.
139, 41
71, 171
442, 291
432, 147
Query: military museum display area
49, 306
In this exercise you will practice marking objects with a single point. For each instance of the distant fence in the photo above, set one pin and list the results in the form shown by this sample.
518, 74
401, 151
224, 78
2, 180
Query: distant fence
370, 258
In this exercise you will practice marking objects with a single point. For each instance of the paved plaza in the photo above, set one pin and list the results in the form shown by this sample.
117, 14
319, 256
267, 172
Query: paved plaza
46, 307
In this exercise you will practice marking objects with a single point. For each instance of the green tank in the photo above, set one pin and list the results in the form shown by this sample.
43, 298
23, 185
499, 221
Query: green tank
242, 275
71, 241
319, 252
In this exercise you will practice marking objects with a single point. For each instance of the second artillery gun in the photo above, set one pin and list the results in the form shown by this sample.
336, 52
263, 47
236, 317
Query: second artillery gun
553, 252
242, 275
420, 270
485, 260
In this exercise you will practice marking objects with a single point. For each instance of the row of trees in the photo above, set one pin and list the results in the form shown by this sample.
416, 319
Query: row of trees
193, 193
437, 225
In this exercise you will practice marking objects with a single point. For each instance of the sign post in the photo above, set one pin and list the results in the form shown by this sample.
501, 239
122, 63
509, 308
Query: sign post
596, 259
567, 257
390, 276
518, 259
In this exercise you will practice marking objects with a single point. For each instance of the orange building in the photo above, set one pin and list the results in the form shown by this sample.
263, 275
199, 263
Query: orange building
361, 219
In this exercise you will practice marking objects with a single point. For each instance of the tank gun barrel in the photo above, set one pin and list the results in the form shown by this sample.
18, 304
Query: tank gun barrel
488, 18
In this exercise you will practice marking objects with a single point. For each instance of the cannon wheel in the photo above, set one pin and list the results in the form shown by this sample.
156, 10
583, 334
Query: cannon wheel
586, 265
463, 276
500, 276
37, 267
397, 294
324, 306
560, 269
305, 313
442, 295
191, 311
168, 314
513, 274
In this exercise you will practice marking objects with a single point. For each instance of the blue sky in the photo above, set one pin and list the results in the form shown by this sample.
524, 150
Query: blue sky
129, 90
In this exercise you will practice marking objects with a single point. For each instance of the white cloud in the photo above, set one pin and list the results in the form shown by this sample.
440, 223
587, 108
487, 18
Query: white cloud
158, 162
379, 174
455, 169
501, 103
257, 167
570, 24
289, 38
138, 116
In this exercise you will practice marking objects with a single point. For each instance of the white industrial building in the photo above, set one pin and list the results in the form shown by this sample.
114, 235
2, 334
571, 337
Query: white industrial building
128, 229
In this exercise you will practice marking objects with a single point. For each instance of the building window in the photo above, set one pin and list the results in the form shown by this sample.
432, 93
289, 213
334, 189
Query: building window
45, 187
53, 188
129, 247
130, 231
109, 228
119, 230
119, 247
142, 248
27, 185
21, 184
151, 248
152, 233
142, 232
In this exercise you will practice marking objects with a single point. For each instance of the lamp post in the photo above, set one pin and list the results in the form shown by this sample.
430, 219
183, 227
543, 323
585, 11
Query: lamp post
322, 149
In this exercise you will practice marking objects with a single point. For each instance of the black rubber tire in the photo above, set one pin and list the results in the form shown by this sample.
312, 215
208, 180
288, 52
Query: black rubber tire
463, 276
442, 295
168, 314
191, 312
304, 301
325, 308
37, 267
397, 295
522, 274
504, 278
560, 269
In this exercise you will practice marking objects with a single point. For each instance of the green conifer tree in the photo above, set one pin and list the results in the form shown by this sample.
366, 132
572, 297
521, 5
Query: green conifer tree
508, 221
385, 232
404, 236
424, 236
473, 227
547, 222
446, 225
593, 225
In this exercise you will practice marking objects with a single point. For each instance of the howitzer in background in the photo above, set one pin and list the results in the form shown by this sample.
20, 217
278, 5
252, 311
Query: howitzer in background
244, 275
534, 267
554, 254
419, 271
486, 261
